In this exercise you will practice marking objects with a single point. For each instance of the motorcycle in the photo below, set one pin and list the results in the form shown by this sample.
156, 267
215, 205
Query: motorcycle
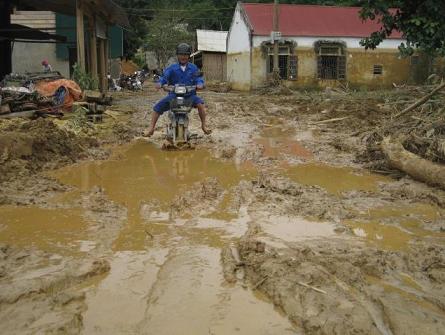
131, 82
177, 132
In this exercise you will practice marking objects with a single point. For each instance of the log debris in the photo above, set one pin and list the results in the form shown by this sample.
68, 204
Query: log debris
417, 167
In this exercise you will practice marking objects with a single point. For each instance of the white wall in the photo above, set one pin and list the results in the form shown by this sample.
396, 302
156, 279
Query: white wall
239, 53
351, 42
238, 39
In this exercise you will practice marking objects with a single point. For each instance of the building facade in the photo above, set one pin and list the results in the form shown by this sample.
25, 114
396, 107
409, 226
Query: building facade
211, 54
319, 47
28, 55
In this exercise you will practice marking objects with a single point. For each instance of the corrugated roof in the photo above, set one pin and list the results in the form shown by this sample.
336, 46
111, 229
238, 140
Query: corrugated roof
212, 40
310, 20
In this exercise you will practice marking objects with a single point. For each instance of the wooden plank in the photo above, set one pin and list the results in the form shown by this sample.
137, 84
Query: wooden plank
102, 68
27, 114
80, 35
93, 47
104, 77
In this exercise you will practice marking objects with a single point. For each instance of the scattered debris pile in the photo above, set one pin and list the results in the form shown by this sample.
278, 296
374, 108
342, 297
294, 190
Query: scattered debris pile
409, 118
37, 94
95, 104
371, 116
218, 86
420, 127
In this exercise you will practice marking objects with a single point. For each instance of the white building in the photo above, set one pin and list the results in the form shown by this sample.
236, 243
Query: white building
319, 46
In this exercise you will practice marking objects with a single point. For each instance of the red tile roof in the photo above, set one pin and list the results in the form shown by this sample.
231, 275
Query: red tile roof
309, 20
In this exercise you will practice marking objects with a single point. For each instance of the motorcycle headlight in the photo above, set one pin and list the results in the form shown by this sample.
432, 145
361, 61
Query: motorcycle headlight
180, 90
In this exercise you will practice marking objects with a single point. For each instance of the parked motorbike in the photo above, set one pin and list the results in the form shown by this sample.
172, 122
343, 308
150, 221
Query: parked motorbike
177, 132
132, 82
112, 84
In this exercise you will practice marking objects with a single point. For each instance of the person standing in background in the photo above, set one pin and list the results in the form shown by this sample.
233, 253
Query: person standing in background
46, 66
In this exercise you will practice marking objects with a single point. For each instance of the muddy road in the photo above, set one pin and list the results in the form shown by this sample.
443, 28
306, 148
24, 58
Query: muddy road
274, 224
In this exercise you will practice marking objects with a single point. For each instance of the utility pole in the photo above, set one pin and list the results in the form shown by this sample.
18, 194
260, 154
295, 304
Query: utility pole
275, 34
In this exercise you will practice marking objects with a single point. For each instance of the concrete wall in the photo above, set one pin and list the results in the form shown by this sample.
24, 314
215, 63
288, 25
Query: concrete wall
238, 53
27, 57
359, 64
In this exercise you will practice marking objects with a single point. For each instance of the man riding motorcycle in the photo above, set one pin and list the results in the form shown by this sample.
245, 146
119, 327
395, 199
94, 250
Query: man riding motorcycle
184, 73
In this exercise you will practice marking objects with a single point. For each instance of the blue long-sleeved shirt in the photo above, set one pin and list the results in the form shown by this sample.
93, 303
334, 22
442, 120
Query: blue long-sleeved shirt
174, 75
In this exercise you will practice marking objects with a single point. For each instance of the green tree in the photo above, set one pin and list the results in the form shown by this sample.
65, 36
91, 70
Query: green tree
134, 36
421, 22
165, 33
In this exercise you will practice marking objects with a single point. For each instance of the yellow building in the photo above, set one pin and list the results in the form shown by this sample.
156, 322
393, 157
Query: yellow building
319, 46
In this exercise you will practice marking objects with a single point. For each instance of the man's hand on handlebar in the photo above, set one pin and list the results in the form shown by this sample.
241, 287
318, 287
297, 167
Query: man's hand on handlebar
168, 88
171, 88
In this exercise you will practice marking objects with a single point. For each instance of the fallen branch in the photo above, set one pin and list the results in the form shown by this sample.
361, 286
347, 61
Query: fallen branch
149, 234
413, 165
110, 114
422, 100
259, 283
311, 287
332, 120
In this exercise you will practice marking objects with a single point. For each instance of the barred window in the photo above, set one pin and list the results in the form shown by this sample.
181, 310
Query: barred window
378, 69
287, 63
331, 62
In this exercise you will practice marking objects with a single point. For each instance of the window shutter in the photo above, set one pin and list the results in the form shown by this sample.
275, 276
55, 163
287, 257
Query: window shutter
293, 67
319, 67
342, 67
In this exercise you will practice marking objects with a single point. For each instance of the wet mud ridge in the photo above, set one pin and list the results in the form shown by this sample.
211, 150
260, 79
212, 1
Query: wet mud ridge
271, 225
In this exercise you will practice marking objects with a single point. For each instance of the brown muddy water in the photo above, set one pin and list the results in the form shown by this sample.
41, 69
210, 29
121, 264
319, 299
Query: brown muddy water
280, 141
334, 179
166, 276
393, 228
387, 227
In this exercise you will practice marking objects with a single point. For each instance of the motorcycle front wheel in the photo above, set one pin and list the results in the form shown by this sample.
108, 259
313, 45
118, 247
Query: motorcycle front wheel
180, 133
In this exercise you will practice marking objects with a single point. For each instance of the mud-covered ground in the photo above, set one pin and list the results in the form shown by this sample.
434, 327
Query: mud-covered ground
274, 224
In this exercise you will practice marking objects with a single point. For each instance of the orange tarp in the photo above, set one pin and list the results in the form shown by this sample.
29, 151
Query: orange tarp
48, 88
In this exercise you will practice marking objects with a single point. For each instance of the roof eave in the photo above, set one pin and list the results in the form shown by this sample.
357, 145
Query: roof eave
112, 12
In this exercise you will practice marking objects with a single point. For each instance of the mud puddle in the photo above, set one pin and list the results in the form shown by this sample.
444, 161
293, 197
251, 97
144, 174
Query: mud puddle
51, 230
177, 290
276, 229
395, 227
334, 179
165, 273
145, 173
280, 140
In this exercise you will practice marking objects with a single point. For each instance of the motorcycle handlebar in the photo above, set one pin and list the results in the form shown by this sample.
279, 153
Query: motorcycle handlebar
171, 88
